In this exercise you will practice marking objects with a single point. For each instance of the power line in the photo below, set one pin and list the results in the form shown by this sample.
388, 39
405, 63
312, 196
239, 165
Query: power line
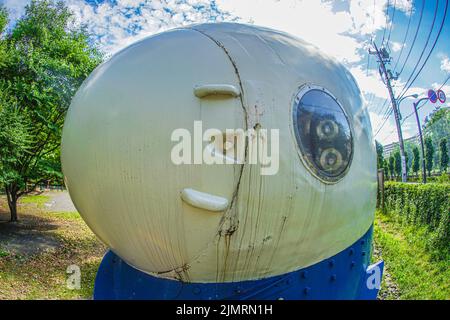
432, 48
415, 36
407, 86
425, 102
409, 115
386, 23
382, 125
406, 36
392, 23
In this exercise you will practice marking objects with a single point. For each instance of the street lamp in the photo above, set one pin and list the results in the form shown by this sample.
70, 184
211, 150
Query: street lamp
415, 104
396, 105
415, 96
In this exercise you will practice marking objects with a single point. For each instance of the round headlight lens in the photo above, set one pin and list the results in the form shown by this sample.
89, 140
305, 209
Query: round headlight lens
323, 133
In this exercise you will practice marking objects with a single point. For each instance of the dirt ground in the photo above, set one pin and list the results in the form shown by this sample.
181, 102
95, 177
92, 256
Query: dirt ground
32, 233
36, 251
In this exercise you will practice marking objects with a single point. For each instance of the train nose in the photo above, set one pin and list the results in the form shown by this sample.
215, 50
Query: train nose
117, 146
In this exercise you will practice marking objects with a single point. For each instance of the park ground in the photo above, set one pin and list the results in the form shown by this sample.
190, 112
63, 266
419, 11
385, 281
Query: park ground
50, 236
36, 252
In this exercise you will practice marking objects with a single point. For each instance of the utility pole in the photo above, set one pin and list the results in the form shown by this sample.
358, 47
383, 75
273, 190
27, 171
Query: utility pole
383, 58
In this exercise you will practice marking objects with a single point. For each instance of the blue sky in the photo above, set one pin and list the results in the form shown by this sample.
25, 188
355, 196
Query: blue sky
341, 28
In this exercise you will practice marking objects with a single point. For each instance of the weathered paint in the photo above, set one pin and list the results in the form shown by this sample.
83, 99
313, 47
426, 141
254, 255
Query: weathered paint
116, 156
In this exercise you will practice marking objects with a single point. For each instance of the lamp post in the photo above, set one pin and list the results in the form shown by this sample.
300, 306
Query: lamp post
402, 148
415, 104
415, 96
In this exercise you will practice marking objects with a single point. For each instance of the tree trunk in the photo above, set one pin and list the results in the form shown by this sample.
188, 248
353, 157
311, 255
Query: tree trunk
11, 195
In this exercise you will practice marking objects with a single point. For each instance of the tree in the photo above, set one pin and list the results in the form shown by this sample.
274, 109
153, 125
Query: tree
416, 160
437, 127
397, 164
14, 140
386, 168
379, 149
443, 155
45, 59
391, 166
408, 166
429, 152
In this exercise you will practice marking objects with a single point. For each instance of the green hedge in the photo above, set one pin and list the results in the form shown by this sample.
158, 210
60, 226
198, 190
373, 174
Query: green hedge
423, 205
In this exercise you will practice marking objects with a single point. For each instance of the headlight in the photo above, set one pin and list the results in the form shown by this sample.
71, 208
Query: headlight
323, 133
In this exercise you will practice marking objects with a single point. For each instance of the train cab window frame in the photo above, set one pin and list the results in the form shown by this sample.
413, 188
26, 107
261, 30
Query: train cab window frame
323, 133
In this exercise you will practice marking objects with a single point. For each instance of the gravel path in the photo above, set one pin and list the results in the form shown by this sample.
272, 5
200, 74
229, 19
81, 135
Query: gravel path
389, 289
59, 201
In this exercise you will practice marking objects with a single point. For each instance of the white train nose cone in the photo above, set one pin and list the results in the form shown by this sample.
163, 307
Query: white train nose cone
117, 147
201, 222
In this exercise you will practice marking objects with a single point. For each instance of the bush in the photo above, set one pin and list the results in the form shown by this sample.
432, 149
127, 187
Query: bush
423, 205
443, 178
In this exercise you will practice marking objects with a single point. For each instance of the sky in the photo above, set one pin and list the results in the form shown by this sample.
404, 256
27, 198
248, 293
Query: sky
343, 29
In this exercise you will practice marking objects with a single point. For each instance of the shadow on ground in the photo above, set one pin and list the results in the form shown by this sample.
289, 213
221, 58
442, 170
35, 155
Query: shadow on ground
28, 236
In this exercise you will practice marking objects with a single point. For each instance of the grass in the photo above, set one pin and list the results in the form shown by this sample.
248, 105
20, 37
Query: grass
38, 199
3, 253
44, 275
414, 269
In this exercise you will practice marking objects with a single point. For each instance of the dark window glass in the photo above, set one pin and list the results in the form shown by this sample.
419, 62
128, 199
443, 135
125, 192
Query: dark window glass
323, 134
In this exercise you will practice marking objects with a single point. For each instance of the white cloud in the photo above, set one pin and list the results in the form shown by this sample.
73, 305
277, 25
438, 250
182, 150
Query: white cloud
396, 46
313, 21
386, 135
371, 83
369, 16
117, 25
341, 34
445, 64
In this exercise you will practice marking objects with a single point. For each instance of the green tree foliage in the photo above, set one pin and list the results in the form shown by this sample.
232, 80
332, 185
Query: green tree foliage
437, 127
408, 163
443, 155
391, 165
397, 164
379, 149
409, 146
386, 168
44, 60
416, 160
14, 140
429, 152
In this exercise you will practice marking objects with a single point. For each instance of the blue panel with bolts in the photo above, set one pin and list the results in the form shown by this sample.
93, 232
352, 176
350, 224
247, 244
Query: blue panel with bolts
347, 275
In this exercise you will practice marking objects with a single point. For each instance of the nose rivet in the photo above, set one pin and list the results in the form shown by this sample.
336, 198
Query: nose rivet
333, 277
331, 263
352, 264
197, 290
351, 252
306, 290
363, 253
304, 274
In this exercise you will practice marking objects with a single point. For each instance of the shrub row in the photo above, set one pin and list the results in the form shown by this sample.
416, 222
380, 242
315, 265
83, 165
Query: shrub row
423, 205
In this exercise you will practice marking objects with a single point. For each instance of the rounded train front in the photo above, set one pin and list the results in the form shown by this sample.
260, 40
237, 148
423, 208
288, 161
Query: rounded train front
295, 226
